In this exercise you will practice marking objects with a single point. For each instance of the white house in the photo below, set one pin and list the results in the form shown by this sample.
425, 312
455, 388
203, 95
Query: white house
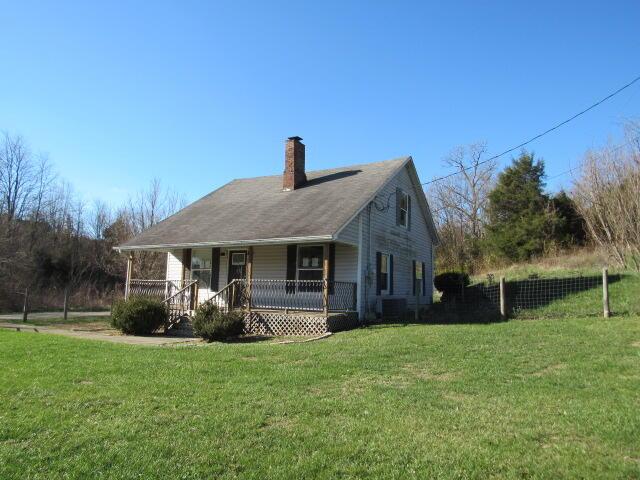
301, 252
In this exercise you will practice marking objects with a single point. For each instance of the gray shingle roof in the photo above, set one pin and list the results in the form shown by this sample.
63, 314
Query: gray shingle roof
257, 208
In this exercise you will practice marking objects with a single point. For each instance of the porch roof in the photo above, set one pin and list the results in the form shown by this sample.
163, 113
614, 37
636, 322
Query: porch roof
257, 210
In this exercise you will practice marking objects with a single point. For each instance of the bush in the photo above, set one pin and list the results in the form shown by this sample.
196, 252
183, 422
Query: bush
138, 315
451, 284
211, 323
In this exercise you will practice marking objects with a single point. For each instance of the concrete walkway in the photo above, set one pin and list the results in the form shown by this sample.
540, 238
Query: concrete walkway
48, 315
107, 335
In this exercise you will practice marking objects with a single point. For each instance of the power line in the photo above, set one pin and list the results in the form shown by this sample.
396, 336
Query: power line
536, 137
571, 170
614, 149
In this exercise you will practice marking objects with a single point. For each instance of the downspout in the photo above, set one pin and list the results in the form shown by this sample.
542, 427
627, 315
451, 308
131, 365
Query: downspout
361, 277
368, 268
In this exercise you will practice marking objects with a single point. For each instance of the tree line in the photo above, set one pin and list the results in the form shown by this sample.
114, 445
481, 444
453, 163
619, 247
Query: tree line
487, 217
53, 243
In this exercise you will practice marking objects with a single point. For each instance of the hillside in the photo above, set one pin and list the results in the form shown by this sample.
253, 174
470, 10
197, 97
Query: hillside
561, 286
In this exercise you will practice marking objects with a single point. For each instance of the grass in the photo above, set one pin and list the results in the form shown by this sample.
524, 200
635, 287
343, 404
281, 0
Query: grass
624, 294
624, 299
70, 321
520, 399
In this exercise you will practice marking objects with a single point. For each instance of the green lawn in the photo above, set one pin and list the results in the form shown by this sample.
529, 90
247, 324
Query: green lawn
520, 399
624, 291
56, 322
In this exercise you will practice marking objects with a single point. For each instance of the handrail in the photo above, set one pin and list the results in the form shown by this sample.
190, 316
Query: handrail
161, 289
189, 285
180, 303
221, 297
149, 280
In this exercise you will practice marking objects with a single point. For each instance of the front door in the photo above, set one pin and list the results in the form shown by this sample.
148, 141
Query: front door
237, 265
237, 271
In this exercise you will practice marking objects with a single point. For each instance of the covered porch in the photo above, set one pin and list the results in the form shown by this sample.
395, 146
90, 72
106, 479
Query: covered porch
304, 287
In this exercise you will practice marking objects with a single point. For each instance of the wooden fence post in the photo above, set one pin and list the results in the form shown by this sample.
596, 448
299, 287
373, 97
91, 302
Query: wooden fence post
605, 293
25, 305
65, 307
503, 299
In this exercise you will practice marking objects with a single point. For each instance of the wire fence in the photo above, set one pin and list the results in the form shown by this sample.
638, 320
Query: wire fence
85, 297
553, 297
534, 297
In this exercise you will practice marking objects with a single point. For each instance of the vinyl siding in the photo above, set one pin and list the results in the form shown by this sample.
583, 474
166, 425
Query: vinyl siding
346, 264
174, 265
350, 233
270, 262
381, 234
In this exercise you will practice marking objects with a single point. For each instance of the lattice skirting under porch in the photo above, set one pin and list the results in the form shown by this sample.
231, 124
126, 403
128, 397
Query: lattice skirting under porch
282, 324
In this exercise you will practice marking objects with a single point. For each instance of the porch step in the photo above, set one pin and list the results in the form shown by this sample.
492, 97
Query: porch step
182, 328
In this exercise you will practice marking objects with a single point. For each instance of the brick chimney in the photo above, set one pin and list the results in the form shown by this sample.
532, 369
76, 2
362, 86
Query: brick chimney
294, 175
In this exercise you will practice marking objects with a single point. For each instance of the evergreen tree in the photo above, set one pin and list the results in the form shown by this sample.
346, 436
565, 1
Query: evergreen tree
519, 217
569, 228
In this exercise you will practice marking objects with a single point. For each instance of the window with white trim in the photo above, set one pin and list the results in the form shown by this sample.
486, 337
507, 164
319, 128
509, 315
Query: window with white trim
384, 272
404, 209
238, 258
201, 269
310, 262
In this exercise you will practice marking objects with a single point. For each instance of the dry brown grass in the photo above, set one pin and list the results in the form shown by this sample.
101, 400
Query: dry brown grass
563, 263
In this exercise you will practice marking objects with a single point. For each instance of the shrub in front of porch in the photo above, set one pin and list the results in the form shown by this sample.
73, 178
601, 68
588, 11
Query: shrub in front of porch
138, 315
211, 323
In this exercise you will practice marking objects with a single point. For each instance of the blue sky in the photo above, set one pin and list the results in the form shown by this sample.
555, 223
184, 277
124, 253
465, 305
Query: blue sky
199, 93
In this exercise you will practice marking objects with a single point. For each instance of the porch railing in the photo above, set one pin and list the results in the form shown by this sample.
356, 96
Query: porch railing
233, 295
161, 289
307, 295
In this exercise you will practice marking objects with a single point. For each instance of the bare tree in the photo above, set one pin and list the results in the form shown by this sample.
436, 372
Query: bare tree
25, 180
17, 176
460, 203
145, 209
100, 218
50, 241
607, 196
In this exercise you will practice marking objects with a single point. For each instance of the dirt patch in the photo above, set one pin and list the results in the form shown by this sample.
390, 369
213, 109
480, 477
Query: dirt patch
355, 386
424, 373
89, 327
636, 344
283, 423
303, 339
549, 370
109, 336
408, 376
457, 397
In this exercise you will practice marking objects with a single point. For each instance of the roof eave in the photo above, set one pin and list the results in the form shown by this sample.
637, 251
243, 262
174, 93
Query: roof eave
226, 243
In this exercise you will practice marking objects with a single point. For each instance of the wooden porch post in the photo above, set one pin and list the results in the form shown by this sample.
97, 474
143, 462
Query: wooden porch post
129, 271
325, 279
249, 276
